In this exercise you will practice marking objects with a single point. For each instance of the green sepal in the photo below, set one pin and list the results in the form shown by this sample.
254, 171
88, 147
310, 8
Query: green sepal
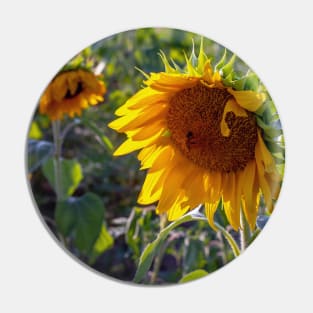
190, 69
228, 68
167, 67
279, 160
248, 82
177, 67
251, 82
228, 80
193, 58
202, 58
275, 147
269, 130
221, 62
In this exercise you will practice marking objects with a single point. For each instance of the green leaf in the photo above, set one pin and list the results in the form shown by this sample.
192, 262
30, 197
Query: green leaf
82, 218
152, 249
194, 255
65, 216
146, 259
34, 131
193, 276
131, 233
38, 151
71, 175
104, 242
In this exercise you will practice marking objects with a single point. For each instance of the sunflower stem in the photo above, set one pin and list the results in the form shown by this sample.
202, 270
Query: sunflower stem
159, 256
57, 138
57, 159
229, 238
244, 232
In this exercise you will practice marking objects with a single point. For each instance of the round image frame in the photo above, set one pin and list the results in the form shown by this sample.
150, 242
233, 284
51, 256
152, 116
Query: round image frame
176, 233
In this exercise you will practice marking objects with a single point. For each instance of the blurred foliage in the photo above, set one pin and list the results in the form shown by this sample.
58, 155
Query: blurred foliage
110, 185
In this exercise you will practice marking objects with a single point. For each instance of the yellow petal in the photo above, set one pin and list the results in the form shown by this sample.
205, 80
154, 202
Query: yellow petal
194, 188
274, 182
264, 185
264, 155
210, 209
215, 185
149, 130
139, 118
143, 98
157, 159
247, 181
146, 152
152, 187
177, 210
130, 145
59, 88
211, 78
165, 159
231, 106
248, 99
171, 190
161, 180
231, 209
170, 82
251, 194
72, 85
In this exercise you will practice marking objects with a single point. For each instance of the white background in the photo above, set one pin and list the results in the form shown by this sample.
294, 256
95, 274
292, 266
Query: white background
275, 273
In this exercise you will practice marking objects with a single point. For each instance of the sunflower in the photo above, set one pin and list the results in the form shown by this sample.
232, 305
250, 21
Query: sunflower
70, 92
200, 141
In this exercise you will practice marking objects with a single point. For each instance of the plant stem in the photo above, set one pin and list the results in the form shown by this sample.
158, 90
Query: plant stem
244, 232
155, 247
159, 256
229, 238
57, 138
57, 159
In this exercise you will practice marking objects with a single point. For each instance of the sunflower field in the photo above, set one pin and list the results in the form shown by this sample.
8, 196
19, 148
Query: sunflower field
155, 156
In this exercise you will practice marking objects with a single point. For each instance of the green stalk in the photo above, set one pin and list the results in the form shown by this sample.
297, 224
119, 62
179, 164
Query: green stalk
229, 238
56, 129
244, 232
156, 248
57, 159
160, 254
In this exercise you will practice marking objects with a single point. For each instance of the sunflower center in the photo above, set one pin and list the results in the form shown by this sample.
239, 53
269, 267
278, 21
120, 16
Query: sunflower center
78, 90
194, 120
